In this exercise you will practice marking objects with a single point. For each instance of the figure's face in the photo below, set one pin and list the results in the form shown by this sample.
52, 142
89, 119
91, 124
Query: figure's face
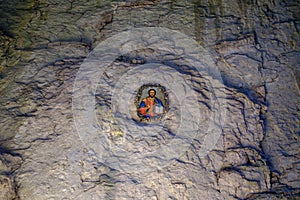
151, 93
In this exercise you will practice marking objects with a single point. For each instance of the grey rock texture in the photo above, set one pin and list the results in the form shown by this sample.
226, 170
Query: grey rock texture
252, 45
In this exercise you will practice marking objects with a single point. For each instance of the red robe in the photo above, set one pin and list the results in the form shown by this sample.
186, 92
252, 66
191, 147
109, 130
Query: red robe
148, 111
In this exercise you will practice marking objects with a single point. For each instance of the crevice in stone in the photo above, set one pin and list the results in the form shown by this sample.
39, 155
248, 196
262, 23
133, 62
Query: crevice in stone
278, 193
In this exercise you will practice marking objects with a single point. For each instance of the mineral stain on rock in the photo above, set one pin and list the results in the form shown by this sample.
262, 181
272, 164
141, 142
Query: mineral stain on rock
255, 47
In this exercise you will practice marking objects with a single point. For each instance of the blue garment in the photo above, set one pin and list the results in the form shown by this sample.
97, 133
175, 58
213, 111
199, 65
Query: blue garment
156, 101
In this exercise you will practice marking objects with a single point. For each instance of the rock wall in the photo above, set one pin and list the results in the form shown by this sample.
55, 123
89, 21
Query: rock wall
252, 45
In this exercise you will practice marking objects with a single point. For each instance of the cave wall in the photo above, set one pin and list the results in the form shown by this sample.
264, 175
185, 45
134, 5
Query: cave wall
255, 46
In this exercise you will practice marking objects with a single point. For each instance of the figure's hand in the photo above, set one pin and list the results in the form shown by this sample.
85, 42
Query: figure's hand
147, 108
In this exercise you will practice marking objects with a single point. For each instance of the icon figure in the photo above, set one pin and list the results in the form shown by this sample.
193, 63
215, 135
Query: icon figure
151, 106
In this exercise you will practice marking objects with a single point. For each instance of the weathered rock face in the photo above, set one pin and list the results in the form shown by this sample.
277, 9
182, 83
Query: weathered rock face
69, 74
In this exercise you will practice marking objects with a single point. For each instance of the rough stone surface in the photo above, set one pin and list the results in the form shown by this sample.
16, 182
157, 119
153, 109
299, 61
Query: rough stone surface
253, 44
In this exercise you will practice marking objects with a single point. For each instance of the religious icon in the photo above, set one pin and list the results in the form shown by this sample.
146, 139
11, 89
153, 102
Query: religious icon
152, 106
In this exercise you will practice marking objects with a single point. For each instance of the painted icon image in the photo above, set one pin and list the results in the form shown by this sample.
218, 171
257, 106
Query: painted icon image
152, 102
